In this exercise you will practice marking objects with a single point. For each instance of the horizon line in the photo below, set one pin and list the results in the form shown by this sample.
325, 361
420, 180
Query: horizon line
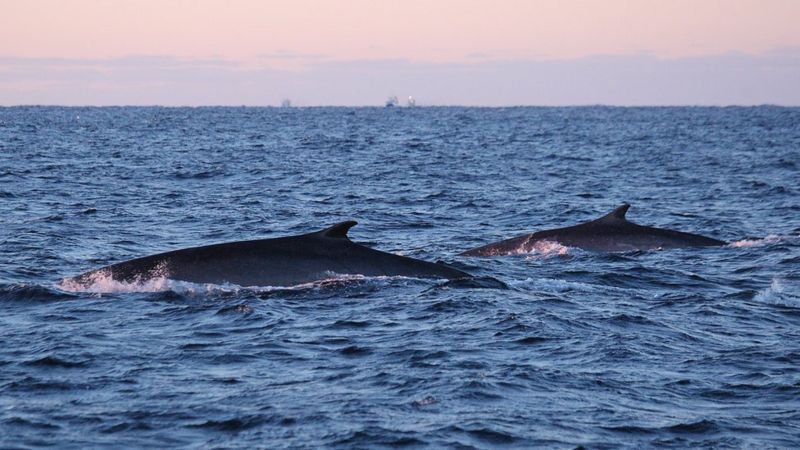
378, 106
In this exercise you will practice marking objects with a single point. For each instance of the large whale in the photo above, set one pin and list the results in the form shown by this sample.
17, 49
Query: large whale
610, 233
285, 261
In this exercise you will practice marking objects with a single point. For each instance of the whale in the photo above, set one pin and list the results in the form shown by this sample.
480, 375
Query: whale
284, 261
610, 233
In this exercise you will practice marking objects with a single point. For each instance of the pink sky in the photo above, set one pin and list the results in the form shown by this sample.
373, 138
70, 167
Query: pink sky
105, 48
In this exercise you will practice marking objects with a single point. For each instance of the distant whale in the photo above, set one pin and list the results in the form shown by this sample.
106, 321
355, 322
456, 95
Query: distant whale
610, 233
285, 261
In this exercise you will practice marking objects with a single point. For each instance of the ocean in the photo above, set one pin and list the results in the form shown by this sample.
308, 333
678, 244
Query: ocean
688, 348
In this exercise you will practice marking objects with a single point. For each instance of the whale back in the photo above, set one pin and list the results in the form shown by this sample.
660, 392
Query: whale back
612, 232
283, 261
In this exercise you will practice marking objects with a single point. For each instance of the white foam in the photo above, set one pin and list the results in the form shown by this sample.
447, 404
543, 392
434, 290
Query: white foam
542, 249
745, 243
776, 294
101, 282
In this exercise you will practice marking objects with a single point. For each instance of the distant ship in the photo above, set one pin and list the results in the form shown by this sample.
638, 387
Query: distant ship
286, 103
392, 101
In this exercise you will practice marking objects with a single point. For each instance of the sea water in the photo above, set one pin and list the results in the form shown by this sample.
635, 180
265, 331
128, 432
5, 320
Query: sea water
681, 348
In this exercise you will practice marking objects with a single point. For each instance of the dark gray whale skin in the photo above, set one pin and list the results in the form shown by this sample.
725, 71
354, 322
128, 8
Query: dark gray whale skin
285, 261
610, 233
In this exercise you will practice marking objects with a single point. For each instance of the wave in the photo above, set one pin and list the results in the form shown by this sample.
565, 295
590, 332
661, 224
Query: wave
703, 426
561, 285
54, 362
31, 292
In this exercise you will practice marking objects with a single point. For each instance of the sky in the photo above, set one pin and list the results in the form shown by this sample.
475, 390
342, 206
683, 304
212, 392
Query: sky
359, 52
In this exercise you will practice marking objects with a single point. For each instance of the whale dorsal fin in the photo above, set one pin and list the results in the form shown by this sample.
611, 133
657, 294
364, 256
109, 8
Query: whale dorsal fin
616, 215
338, 231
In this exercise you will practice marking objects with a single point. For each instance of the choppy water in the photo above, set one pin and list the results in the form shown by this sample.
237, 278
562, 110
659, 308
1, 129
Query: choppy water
683, 348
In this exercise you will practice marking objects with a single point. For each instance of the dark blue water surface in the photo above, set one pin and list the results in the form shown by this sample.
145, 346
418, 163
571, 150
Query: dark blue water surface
680, 348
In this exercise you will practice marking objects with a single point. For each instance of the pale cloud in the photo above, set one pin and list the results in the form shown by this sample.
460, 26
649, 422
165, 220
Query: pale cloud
284, 54
725, 79
129, 61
